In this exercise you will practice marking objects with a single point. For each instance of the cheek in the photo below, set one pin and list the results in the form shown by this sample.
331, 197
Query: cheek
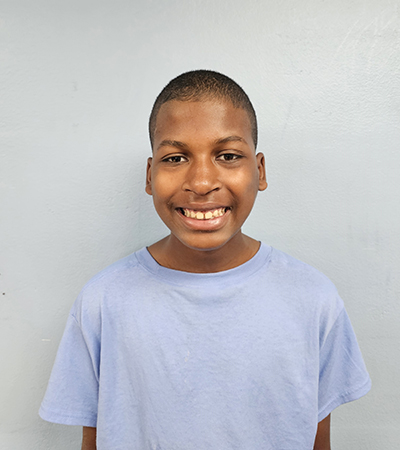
161, 186
164, 192
245, 184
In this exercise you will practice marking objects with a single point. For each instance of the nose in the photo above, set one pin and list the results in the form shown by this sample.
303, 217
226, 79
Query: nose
202, 177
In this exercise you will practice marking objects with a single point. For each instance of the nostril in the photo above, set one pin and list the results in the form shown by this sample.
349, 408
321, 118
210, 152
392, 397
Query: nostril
201, 187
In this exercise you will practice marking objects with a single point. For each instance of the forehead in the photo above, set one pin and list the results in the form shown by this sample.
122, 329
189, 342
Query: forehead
216, 119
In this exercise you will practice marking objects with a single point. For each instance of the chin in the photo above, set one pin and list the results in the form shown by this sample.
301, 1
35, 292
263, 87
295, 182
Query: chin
205, 243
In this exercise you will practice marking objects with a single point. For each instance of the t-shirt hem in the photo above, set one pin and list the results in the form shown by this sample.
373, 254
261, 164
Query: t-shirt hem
344, 398
67, 419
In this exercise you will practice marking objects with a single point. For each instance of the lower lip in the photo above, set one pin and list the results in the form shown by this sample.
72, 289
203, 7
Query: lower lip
205, 224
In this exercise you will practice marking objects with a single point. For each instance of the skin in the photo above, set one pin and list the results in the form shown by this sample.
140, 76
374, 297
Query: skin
204, 159
89, 438
323, 437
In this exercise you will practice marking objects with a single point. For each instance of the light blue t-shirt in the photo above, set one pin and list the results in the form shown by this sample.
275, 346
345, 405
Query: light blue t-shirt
249, 358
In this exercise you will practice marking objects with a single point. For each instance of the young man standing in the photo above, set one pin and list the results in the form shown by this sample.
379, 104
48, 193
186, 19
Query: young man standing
206, 339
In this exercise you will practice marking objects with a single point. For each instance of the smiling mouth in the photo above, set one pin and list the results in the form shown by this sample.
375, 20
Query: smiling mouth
203, 215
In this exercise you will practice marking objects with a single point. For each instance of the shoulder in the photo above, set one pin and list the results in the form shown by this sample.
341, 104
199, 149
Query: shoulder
300, 273
305, 284
115, 273
108, 285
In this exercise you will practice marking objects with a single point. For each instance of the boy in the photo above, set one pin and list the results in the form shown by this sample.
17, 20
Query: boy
206, 339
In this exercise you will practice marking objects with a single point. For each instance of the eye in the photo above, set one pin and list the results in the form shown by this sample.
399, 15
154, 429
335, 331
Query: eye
227, 157
175, 159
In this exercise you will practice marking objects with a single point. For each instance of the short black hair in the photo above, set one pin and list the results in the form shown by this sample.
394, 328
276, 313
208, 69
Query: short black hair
198, 85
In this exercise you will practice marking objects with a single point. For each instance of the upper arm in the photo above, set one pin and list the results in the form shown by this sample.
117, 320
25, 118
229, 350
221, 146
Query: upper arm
89, 438
323, 437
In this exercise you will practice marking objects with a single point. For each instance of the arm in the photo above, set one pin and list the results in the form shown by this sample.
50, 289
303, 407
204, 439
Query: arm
323, 437
89, 438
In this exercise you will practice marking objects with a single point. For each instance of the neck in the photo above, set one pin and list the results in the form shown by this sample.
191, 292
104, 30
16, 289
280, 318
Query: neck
173, 254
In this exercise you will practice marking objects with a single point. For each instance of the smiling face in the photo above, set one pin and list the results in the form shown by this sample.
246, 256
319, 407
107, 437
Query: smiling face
204, 175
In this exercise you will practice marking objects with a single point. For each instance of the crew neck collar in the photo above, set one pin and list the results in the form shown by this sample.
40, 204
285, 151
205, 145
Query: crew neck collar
235, 275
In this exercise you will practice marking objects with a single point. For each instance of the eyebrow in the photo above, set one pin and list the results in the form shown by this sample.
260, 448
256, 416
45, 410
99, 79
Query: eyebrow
171, 143
230, 139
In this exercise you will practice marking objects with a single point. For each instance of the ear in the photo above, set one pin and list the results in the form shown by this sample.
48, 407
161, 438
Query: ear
262, 177
148, 176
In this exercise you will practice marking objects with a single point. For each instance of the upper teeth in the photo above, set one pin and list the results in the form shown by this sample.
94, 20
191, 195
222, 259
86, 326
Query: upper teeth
203, 215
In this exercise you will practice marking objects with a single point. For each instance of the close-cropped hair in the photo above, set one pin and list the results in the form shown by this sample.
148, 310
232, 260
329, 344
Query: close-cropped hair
199, 85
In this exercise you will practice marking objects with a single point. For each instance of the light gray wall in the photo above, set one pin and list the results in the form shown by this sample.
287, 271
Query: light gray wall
77, 81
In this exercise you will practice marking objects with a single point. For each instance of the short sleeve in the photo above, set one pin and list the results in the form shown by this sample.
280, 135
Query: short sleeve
72, 394
343, 376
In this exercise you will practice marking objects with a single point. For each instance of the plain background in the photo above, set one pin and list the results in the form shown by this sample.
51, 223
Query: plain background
77, 82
